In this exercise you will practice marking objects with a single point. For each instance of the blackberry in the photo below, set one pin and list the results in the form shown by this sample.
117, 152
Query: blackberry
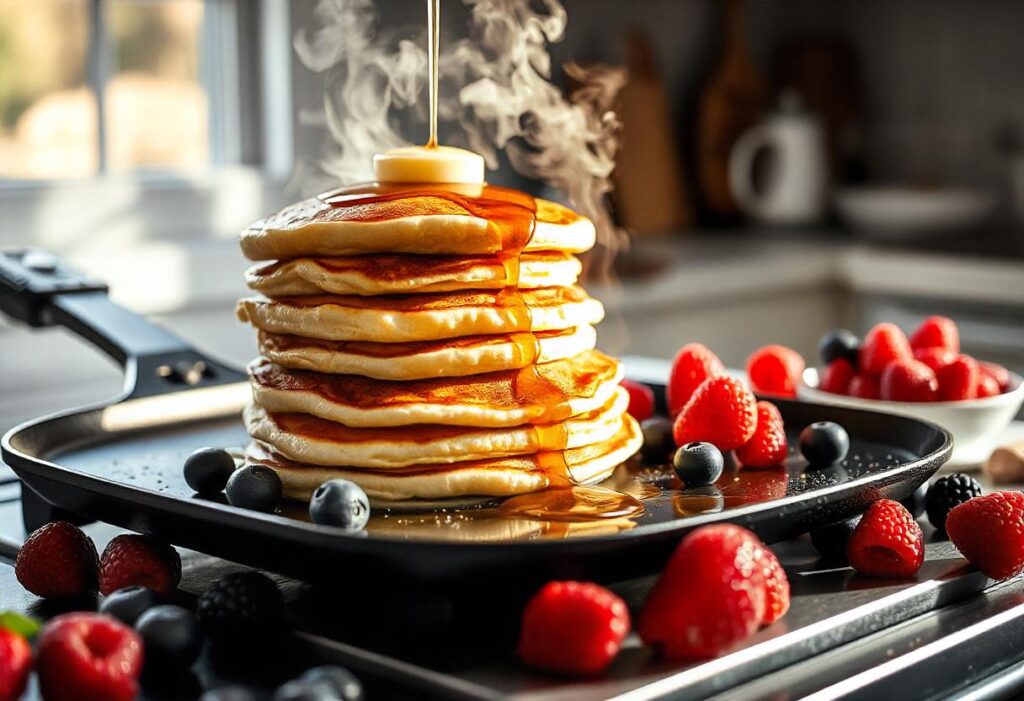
239, 607
948, 492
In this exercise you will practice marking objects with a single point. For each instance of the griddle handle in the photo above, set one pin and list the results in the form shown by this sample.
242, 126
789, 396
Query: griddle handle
40, 290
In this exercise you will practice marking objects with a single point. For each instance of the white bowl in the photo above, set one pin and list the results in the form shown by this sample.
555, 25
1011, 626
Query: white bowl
974, 423
906, 212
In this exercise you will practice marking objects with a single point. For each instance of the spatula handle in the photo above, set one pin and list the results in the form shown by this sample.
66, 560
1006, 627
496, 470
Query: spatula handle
39, 289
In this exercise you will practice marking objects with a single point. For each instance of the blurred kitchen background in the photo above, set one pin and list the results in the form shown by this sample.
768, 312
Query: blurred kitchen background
787, 166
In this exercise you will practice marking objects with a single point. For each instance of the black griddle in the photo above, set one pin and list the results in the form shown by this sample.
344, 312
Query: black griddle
120, 462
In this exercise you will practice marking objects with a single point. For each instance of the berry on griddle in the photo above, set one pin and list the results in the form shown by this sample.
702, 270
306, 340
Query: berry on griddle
340, 503
658, 443
698, 464
824, 443
255, 487
207, 470
830, 541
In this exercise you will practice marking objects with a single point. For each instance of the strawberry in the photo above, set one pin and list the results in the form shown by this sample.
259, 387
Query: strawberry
139, 561
1000, 374
573, 627
908, 381
775, 370
768, 445
699, 612
641, 400
722, 411
776, 587
988, 386
935, 358
58, 561
15, 664
864, 386
887, 542
989, 531
693, 364
837, 376
959, 379
88, 657
882, 345
936, 332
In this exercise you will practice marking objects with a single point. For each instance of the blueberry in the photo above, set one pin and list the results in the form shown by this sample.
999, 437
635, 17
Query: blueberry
915, 503
340, 503
947, 493
698, 464
171, 636
228, 693
299, 690
340, 679
658, 441
830, 541
207, 470
839, 343
126, 605
824, 443
255, 487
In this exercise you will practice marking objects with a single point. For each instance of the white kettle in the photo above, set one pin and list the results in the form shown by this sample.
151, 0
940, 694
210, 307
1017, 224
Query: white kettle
792, 181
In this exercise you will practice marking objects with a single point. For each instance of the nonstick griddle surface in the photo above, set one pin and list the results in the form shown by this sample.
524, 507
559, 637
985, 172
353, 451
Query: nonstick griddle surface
122, 464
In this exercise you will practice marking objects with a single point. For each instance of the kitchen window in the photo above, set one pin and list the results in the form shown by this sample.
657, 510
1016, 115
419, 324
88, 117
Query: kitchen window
145, 127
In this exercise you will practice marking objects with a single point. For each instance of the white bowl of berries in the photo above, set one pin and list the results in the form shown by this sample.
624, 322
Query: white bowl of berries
925, 377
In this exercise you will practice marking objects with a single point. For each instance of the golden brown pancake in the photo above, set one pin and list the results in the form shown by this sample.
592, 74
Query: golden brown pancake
308, 439
534, 395
452, 357
421, 317
496, 477
420, 225
380, 274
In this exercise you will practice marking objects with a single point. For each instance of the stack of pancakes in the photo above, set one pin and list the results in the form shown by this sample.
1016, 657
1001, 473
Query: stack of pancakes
407, 346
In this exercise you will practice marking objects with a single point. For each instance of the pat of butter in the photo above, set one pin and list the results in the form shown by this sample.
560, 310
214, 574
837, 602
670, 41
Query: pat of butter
422, 164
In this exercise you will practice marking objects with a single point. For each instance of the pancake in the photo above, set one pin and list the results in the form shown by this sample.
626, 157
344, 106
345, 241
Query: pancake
454, 357
308, 439
378, 274
422, 225
534, 395
496, 477
421, 317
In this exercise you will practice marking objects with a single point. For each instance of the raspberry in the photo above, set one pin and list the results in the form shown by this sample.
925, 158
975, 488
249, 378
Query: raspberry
998, 373
693, 364
949, 492
722, 411
88, 657
958, 380
139, 561
935, 358
908, 381
58, 561
988, 386
776, 587
15, 664
775, 370
573, 627
240, 606
989, 531
837, 376
936, 332
887, 542
768, 445
883, 344
865, 386
641, 400
700, 612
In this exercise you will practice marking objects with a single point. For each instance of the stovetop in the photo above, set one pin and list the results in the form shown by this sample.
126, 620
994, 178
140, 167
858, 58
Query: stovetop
948, 632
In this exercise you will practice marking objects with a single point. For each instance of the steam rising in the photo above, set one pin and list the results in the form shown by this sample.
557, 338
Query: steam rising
496, 84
